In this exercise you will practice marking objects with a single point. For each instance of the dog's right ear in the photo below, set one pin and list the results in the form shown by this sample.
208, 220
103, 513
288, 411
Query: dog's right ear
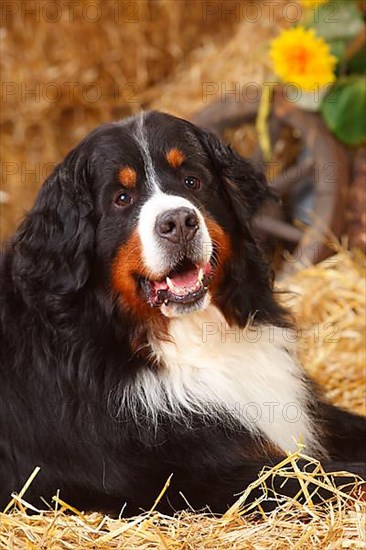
54, 244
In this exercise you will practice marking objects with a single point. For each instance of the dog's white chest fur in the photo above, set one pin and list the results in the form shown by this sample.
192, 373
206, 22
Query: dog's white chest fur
248, 375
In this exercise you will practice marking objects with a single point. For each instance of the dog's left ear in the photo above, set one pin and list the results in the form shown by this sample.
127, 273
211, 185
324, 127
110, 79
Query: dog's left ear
54, 244
245, 185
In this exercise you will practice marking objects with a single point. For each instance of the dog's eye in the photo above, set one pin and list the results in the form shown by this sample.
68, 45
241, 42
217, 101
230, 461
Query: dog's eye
191, 182
123, 199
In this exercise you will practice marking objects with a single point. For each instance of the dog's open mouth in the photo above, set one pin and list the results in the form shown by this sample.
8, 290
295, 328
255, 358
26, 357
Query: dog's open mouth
185, 284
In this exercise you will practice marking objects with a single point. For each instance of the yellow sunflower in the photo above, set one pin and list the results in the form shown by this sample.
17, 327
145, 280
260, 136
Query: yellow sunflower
302, 58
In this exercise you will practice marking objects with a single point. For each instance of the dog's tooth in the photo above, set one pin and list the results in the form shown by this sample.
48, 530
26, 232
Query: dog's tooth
170, 283
166, 302
200, 274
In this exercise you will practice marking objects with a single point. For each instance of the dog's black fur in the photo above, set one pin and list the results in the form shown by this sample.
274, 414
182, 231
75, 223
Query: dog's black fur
67, 342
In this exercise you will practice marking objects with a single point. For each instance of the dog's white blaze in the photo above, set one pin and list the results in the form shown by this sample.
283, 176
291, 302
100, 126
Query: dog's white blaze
152, 179
154, 256
207, 368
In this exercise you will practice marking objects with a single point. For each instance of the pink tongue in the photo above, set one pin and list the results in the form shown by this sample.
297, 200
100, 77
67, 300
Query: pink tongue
187, 278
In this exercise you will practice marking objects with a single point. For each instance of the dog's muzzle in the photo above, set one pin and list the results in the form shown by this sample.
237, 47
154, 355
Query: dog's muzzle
177, 249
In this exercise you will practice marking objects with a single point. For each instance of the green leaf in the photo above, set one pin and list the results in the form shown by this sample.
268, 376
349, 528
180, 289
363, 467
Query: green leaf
338, 47
343, 110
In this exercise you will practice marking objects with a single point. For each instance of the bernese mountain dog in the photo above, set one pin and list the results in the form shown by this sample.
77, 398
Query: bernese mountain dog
141, 336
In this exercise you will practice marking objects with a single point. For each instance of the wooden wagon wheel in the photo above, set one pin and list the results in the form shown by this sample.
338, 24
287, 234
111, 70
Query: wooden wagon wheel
323, 151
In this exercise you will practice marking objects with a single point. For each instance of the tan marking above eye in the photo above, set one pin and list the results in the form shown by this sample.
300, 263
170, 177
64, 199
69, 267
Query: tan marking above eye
127, 177
175, 157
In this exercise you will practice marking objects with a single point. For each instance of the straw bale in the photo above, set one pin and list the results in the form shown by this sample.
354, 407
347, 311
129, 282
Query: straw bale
338, 523
234, 66
66, 71
328, 301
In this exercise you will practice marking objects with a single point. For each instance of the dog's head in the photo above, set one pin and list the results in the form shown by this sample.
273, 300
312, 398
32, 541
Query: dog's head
158, 212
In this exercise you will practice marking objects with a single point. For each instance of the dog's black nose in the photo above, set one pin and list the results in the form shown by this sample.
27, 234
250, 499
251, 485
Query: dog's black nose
179, 225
